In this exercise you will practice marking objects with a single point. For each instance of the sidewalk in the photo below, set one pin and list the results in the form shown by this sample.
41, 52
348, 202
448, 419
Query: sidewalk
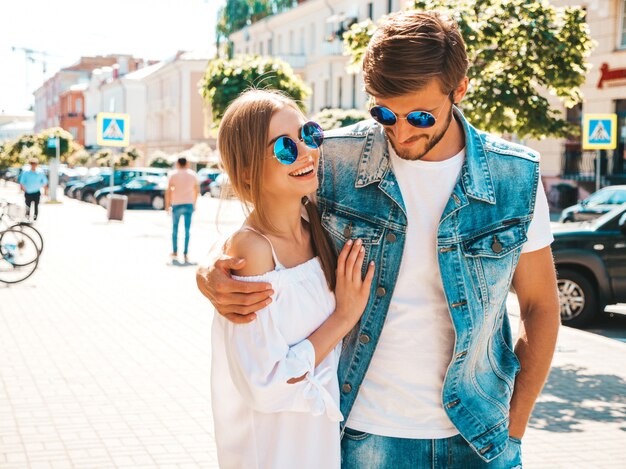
105, 357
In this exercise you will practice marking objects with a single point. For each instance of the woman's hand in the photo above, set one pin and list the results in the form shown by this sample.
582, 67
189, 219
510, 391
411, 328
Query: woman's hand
352, 291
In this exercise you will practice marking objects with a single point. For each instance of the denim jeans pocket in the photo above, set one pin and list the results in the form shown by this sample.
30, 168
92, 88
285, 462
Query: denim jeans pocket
354, 435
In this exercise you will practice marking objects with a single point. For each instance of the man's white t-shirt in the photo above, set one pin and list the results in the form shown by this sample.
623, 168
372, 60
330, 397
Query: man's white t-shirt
401, 393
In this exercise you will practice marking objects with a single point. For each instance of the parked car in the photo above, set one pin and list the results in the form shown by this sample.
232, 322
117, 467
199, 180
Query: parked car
596, 204
87, 191
11, 174
221, 184
205, 177
590, 259
146, 191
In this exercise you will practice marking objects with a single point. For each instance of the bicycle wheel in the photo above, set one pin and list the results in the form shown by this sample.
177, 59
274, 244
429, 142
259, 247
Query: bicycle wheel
18, 248
9, 272
32, 232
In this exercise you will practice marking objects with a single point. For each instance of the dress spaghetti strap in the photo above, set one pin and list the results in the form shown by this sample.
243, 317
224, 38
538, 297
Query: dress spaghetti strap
278, 265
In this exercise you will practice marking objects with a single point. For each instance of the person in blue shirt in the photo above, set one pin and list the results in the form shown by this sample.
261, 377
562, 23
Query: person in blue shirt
31, 183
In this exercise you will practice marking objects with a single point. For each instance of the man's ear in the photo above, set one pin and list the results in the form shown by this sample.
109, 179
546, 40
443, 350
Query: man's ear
460, 91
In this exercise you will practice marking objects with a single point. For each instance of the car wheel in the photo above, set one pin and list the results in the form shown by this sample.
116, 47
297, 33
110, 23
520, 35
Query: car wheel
103, 201
567, 219
577, 297
88, 197
158, 203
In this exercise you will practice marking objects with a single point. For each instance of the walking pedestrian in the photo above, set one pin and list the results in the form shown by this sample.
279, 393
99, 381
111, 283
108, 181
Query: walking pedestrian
181, 197
31, 182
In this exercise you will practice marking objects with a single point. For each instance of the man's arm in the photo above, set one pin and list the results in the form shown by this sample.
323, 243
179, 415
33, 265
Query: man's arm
168, 195
237, 301
535, 284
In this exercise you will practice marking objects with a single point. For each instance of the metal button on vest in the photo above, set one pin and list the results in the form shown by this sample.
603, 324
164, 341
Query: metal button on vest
456, 198
364, 338
391, 237
380, 291
346, 388
347, 231
496, 246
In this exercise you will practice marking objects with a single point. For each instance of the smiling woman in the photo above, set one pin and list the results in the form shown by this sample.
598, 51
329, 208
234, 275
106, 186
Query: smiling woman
277, 375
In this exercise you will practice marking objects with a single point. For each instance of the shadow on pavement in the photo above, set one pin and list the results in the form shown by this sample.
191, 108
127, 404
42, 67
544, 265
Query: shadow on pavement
573, 396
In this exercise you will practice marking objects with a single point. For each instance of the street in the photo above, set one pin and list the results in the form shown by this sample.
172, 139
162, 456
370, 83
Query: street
105, 355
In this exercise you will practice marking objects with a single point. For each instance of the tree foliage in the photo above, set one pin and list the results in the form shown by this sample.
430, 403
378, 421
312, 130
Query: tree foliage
236, 14
120, 159
27, 146
335, 118
225, 79
519, 51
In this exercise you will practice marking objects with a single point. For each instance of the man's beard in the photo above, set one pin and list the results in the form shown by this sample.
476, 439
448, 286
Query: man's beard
430, 143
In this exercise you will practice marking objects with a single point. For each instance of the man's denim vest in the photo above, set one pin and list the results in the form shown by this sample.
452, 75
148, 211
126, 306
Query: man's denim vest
479, 240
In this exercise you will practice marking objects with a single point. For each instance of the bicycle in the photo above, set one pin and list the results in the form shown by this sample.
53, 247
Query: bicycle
16, 219
19, 256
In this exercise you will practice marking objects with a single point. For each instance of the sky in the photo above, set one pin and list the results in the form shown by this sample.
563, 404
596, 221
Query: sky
69, 29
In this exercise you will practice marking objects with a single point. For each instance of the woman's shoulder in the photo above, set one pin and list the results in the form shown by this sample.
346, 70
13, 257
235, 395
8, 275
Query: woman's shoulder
254, 248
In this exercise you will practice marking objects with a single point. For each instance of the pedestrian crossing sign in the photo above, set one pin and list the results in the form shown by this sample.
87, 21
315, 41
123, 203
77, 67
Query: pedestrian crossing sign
599, 131
113, 129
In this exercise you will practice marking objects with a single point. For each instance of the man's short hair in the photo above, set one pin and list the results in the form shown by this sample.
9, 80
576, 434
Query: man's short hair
410, 49
33, 161
182, 162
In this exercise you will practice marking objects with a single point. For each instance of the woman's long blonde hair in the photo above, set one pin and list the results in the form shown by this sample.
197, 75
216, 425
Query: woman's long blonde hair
242, 142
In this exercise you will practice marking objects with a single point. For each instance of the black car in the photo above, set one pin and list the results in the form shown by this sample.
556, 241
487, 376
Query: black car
598, 203
590, 259
87, 191
206, 176
144, 191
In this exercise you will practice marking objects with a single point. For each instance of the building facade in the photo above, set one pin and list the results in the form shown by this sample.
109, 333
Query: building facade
176, 115
49, 110
72, 111
309, 38
15, 124
564, 160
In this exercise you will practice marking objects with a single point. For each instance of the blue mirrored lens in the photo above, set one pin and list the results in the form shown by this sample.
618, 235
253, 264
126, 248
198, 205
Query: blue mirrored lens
383, 115
312, 134
286, 150
421, 119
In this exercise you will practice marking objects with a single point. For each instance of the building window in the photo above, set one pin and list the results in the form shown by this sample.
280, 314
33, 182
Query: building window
260, 48
622, 42
74, 132
313, 44
389, 6
313, 97
326, 93
79, 105
269, 47
370, 10
340, 92
291, 43
302, 45
279, 44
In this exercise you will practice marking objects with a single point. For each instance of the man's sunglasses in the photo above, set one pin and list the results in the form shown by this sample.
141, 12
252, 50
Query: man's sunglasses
419, 119
286, 150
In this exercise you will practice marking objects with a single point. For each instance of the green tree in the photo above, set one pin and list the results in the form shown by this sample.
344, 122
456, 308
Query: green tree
236, 14
519, 51
335, 118
28, 146
225, 79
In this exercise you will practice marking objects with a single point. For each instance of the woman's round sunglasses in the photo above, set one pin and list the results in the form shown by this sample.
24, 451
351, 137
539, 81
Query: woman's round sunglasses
419, 119
286, 150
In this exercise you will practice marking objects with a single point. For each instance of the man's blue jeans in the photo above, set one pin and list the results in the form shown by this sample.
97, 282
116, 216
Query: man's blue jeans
361, 450
184, 210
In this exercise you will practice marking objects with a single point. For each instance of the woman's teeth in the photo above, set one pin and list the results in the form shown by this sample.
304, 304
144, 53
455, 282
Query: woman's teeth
303, 171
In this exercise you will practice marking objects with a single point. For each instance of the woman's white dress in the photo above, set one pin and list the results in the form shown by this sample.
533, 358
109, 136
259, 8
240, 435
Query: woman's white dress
261, 421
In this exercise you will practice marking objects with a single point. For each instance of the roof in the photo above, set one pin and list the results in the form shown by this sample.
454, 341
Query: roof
143, 72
